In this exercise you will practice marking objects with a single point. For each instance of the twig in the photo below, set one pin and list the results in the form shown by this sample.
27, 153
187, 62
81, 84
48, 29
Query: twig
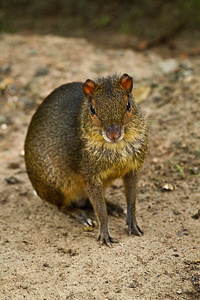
163, 38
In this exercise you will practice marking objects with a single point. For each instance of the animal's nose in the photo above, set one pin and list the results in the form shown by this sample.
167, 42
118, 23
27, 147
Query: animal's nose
113, 132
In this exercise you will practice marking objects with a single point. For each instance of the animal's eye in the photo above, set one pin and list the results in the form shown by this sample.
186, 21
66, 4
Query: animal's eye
128, 106
92, 110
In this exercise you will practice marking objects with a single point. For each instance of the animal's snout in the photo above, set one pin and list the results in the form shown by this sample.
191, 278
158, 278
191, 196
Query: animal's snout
113, 133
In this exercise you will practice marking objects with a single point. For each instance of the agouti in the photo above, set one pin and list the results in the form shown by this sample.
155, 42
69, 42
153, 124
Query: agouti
81, 138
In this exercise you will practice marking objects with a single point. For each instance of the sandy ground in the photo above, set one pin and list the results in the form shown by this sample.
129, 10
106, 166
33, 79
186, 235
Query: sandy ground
47, 255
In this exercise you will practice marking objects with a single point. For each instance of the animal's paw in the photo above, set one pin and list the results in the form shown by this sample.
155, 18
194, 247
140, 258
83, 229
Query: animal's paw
106, 239
134, 229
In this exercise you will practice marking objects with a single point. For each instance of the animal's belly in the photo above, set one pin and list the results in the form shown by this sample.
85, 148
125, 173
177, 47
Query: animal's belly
74, 191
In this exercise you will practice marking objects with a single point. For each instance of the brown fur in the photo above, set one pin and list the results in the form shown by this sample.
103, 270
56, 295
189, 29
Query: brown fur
77, 145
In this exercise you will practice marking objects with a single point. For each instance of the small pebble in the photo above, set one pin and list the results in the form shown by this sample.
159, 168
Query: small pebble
24, 287
14, 165
197, 215
33, 52
168, 187
42, 71
156, 97
170, 65
5, 68
195, 279
4, 126
46, 265
3, 119
175, 255
194, 170
22, 153
35, 193
12, 180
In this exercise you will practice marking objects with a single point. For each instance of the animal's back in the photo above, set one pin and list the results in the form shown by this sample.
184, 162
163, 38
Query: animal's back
52, 144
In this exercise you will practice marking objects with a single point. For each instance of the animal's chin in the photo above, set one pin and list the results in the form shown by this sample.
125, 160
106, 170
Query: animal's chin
112, 141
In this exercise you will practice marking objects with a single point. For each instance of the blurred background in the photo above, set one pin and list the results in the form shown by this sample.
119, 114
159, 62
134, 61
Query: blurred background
121, 22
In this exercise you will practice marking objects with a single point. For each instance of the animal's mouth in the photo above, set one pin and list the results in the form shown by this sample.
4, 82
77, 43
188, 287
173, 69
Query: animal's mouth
113, 134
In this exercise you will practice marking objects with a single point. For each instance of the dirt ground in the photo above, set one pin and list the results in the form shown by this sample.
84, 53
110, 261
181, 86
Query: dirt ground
47, 255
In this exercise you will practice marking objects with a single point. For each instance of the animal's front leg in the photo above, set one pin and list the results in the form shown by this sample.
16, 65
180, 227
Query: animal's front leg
95, 192
130, 184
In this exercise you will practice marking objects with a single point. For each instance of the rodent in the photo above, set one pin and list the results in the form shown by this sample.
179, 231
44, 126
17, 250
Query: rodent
81, 138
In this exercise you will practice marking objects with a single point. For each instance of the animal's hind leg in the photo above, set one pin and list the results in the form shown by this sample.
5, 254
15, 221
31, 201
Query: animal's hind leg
114, 209
81, 216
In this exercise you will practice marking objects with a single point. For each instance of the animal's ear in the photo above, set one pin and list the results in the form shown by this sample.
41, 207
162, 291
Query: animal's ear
88, 87
126, 82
